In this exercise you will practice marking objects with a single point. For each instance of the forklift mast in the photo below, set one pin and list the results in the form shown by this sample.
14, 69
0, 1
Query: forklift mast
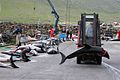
85, 20
89, 34
55, 14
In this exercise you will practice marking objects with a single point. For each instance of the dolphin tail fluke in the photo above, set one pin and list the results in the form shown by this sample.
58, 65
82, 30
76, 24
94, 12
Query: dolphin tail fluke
12, 62
63, 58
62, 55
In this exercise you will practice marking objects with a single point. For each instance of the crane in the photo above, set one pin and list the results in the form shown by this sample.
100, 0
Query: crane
55, 14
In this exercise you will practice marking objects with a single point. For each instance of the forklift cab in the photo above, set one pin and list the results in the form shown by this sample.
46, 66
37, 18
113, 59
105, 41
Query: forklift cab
89, 30
89, 33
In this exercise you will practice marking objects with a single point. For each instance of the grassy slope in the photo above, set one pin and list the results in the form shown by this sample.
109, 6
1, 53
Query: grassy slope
109, 10
22, 10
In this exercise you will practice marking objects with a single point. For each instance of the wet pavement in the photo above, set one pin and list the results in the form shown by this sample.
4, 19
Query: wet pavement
46, 67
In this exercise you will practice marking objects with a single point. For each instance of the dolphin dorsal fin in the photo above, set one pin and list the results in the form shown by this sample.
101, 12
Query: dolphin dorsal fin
87, 46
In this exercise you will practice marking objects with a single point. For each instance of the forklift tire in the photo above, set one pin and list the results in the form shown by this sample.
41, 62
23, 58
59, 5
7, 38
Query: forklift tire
79, 59
99, 60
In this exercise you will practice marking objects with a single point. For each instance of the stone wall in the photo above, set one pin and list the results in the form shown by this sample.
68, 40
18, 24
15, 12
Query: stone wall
26, 28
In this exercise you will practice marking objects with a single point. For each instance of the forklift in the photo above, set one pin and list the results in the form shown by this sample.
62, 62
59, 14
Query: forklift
86, 20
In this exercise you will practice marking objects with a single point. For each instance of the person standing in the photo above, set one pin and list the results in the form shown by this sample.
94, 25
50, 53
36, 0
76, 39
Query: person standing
18, 36
18, 32
70, 33
89, 34
118, 34
51, 32
63, 33
67, 34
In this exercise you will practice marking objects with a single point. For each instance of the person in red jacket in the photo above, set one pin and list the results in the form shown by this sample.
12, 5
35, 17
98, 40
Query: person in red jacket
51, 32
118, 34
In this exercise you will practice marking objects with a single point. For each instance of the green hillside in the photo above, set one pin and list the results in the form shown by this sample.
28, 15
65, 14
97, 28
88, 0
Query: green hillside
32, 11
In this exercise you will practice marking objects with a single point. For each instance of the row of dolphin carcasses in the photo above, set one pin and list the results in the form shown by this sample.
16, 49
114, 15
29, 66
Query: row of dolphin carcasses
24, 52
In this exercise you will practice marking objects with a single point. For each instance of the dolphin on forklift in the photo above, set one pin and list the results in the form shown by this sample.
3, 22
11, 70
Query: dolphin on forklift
85, 50
89, 41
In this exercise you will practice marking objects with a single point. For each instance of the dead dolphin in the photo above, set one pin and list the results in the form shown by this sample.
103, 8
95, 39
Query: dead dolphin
12, 62
52, 50
86, 49
9, 59
24, 51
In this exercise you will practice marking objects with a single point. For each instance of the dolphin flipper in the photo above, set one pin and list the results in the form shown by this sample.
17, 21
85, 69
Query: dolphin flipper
63, 58
12, 62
